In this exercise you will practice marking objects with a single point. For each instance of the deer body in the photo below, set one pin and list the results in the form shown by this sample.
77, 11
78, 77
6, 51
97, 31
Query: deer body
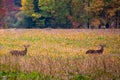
20, 53
100, 51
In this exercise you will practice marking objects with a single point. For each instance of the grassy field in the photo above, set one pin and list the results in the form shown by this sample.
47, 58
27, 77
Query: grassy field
60, 54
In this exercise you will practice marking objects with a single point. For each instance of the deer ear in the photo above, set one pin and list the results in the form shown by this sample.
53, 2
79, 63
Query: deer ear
26, 45
102, 45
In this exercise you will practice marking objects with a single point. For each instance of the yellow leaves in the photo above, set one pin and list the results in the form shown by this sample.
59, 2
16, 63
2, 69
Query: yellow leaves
23, 2
36, 15
97, 3
44, 2
101, 7
27, 6
95, 6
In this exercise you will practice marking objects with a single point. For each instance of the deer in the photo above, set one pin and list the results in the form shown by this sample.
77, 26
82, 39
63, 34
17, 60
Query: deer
21, 52
99, 51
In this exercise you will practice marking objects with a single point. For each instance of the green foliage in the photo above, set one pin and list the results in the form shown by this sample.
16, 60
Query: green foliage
81, 77
25, 76
56, 11
27, 6
23, 21
11, 20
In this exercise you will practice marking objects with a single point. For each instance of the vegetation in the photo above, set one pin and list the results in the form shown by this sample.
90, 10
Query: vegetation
54, 13
60, 54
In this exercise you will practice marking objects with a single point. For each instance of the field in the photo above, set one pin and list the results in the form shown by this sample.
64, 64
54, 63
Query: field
60, 54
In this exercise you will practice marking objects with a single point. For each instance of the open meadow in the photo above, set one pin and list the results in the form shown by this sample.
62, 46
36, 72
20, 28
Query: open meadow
60, 54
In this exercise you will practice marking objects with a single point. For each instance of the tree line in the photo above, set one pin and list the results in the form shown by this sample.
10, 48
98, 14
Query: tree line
60, 13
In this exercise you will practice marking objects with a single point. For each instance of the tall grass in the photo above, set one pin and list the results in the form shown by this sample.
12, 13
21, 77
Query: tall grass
60, 55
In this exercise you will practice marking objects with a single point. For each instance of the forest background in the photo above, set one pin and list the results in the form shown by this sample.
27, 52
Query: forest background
60, 14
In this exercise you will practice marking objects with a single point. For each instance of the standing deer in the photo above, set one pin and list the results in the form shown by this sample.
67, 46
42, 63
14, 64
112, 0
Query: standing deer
20, 53
99, 51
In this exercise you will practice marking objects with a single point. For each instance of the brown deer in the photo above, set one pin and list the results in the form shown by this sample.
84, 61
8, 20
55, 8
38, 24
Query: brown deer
20, 53
99, 51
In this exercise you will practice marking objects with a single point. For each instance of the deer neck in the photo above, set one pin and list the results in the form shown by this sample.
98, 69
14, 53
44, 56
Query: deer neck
102, 48
25, 50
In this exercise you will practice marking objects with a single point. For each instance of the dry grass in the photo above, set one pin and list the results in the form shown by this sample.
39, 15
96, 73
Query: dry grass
61, 53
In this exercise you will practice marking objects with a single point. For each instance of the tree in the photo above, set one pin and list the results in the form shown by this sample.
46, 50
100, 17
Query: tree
2, 13
72, 13
60, 13
106, 11
17, 3
93, 9
28, 7
7, 10
46, 13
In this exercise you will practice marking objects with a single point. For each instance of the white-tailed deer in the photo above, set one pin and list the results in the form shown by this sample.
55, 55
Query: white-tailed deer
99, 51
20, 53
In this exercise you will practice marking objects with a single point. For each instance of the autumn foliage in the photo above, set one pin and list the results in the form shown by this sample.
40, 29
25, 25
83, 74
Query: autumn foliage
52, 13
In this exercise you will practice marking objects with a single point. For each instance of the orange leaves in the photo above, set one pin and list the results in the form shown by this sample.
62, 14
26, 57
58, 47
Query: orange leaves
111, 12
95, 22
95, 6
